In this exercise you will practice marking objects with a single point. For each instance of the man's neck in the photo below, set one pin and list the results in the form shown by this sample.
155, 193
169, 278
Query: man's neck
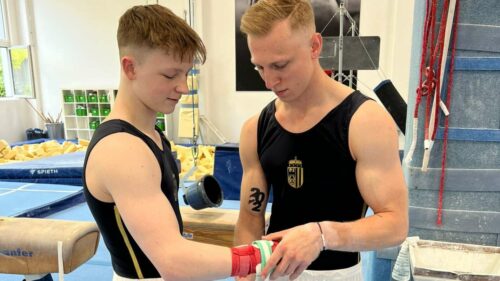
321, 91
129, 108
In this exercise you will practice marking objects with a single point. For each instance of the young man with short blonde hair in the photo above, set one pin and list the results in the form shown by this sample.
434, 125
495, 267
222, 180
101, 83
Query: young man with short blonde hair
319, 206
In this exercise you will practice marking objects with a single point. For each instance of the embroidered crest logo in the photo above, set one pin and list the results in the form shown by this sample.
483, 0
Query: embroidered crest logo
295, 173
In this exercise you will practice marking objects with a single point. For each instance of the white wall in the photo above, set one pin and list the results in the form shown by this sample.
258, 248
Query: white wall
225, 107
392, 21
76, 47
15, 118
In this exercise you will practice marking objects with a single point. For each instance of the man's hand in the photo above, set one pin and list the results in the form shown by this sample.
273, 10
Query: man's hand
246, 258
298, 248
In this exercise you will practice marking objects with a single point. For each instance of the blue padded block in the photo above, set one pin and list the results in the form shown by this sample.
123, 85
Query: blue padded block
474, 100
479, 12
228, 170
478, 37
61, 169
464, 134
476, 64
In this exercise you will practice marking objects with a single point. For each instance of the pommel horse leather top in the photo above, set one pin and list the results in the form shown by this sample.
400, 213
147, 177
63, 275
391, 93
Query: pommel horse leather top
31, 245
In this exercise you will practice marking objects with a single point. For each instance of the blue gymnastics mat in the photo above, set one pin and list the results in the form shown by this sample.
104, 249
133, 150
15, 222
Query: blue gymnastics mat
18, 198
61, 169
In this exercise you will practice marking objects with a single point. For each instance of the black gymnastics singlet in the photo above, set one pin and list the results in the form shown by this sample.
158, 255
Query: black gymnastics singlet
312, 174
127, 258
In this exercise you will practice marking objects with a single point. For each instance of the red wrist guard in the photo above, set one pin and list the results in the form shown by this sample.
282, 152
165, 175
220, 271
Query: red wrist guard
245, 259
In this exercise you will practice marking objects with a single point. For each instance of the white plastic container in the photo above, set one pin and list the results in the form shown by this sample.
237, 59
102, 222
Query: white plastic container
435, 260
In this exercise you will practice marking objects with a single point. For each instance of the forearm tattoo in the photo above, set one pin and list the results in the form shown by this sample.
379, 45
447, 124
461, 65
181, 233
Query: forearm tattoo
256, 199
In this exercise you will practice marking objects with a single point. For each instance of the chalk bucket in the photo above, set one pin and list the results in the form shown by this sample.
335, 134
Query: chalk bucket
206, 193
55, 130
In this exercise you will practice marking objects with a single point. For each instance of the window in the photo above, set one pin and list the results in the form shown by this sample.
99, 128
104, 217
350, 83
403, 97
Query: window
4, 43
3, 26
16, 72
3, 92
22, 75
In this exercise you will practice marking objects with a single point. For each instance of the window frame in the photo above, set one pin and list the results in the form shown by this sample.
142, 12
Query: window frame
6, 56
30, 72
5, 42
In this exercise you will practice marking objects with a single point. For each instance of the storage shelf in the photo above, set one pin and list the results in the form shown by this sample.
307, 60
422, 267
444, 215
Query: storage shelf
82, 125
78, 105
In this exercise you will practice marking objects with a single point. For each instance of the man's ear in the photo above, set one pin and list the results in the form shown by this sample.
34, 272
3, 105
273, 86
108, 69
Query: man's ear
316, 45
128, 66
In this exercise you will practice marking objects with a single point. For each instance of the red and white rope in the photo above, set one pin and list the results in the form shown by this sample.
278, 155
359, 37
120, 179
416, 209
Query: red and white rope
440, 54
442, 180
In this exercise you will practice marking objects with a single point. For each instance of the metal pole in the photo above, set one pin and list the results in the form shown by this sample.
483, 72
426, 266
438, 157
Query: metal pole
353, 33
341, 40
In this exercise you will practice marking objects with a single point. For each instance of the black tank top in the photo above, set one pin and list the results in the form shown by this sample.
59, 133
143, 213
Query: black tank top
127, 258
312, 174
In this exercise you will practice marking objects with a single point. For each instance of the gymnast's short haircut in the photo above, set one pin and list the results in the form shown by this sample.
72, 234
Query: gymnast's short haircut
156, 27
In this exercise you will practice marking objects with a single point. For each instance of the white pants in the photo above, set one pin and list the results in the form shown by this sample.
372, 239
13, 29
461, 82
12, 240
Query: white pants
117, 277
353, 273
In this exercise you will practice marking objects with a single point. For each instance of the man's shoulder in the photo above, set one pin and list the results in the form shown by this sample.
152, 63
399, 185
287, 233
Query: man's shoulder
371, 119
251, 123
121, 155
118, 146
368, 107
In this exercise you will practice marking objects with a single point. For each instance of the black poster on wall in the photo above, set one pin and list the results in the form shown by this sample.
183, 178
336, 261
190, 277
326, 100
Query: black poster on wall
247, 79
